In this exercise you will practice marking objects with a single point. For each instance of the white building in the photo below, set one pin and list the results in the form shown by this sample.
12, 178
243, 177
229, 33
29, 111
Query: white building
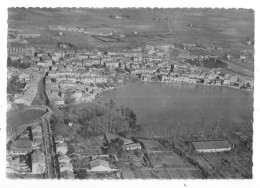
211, 146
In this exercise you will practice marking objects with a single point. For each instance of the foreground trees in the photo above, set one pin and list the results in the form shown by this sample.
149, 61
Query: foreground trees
91, 119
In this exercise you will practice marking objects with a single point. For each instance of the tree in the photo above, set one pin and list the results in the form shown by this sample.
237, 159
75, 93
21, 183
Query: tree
138, 153
14, 86
118, 142
17, 64
111, 150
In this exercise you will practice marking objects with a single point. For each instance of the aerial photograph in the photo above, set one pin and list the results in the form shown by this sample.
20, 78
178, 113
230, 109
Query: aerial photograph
130, 93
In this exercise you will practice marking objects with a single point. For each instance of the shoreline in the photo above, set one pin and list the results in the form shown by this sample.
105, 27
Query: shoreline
109, 89
173, 83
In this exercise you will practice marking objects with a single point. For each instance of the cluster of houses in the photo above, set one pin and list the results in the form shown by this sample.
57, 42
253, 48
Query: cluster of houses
30, 89
196, 75
25, 155
65, 166
128, 144
78, 74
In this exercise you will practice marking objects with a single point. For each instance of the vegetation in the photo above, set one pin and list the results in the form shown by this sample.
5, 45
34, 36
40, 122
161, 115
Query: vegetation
17, 64
119, 70
115, 146
41, 97
92, 119
14, 86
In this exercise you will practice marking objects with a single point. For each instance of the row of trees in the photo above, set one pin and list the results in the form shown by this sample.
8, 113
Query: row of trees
215, 130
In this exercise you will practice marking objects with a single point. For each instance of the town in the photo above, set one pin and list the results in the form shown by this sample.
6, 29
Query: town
58, 88
84, 74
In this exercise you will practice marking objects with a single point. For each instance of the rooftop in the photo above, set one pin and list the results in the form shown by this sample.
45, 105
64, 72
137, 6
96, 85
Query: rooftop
211, 144
99, 162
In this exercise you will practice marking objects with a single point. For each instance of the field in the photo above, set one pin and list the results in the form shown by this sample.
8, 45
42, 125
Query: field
162, 173
227, 28
235, 164
169, 159
161, 163
23, 117
17, 118
151, 145
224, 27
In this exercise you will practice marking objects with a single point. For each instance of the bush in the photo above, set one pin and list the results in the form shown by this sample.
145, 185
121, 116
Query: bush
14, 86
17, 64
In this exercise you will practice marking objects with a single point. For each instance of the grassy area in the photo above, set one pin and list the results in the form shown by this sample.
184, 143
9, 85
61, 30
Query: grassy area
227, 28
236, 164
24, 116
40, 97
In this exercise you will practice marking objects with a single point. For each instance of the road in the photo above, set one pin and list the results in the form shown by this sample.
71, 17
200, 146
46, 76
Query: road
48, 148
169, 24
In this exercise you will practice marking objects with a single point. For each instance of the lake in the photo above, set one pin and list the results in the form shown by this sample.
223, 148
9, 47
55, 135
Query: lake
160, 105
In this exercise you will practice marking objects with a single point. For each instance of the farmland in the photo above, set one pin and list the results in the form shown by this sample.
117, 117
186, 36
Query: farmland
178, 93
163, 164
225, 28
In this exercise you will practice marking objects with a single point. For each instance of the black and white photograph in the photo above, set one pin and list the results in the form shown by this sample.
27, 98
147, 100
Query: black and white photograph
129, 93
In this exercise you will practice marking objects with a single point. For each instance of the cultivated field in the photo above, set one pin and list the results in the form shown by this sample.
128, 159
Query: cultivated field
224, 27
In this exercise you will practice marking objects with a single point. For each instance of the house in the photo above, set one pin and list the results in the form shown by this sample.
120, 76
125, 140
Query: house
100, 79
77, 94
131, 146
59, 139
19, 164
63, 159
38, 162
110, 137
211, 146
219, 82
65, 166
37, 140
66, 174
59, 102
61, 148
36, 143
112, 64
166, 78
36, 128
46, 59
99, 165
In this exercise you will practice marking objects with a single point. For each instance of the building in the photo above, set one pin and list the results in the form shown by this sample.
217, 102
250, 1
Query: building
37, 140
211, 146
59, 139
112, 64
131, 146
66, 174
109, 137
65, 167
99, 165
61, 148
38, 162
20, 48
63, 159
